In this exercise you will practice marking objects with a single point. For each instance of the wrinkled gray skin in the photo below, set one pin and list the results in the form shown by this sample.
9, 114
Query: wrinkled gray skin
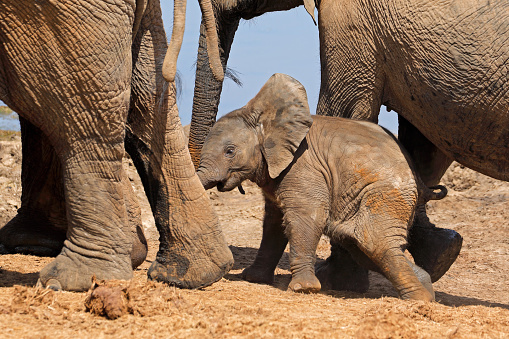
320, 175
441, 65
86, 80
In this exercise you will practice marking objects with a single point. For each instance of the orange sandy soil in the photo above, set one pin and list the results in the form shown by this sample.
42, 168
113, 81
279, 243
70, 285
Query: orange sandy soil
472, 298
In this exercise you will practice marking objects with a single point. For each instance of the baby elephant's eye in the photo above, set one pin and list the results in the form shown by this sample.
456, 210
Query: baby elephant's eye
230, 151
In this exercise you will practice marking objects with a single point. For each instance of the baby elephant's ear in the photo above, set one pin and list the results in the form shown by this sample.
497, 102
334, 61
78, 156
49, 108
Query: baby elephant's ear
282, 113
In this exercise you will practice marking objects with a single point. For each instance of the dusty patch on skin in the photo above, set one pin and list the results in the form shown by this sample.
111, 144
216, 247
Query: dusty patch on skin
392, 203
366, 175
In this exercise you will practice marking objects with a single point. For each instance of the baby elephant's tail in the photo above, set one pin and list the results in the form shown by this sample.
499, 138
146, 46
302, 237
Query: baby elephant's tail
428, 193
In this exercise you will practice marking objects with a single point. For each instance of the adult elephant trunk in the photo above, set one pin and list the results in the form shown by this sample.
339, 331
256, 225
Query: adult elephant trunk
207, 88
177, 35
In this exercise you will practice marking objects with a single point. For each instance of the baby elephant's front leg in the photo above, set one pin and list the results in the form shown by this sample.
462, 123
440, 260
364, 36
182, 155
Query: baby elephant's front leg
303, 235
271, 249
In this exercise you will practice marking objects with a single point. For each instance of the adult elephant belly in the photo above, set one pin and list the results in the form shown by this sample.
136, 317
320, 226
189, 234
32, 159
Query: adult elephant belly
470, 126
450, 82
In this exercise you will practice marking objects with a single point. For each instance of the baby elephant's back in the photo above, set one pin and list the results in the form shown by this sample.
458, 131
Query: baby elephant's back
358, 142
361, 154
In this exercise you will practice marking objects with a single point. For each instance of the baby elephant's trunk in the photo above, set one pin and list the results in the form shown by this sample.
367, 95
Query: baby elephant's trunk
428, 194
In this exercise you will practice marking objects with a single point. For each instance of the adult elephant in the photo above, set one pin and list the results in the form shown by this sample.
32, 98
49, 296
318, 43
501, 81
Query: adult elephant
442, 65
85, 77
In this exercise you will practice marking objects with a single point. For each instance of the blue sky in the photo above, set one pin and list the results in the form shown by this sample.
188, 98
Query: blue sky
281, 42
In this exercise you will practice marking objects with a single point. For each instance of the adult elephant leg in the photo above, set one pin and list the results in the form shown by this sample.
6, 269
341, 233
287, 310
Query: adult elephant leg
40, 226
97, 242
434, 249
192, 250
90, 145
429, 161
75, 88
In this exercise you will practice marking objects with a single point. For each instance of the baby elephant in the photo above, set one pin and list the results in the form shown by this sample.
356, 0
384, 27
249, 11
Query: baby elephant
320, 175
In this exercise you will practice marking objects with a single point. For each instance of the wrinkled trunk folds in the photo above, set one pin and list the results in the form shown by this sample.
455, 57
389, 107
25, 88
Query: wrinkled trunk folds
207, 90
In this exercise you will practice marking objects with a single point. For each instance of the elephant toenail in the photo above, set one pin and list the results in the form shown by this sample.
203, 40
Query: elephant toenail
54, 285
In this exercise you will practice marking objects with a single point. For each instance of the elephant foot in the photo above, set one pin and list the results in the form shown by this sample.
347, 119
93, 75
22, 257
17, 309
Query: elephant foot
423, 277
73, 272
305, 282
31, 233
418, 294
182, 273
341, 273
434, 249
258, 275
192, 266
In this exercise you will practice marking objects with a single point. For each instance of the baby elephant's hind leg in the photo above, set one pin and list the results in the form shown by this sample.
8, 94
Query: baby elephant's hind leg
423, 277
397, 269
381, 240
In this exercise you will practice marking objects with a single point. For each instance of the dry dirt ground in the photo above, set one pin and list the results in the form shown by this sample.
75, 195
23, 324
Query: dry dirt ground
472, 298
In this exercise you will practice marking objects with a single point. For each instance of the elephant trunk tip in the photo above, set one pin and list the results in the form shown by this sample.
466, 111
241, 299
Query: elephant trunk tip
205, 181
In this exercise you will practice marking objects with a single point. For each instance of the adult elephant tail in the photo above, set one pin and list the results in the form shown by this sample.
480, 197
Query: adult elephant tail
428, 193
177, 35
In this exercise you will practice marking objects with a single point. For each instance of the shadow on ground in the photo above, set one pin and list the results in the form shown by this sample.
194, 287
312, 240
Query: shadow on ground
379, 285
244, 256
454, 300
11, 278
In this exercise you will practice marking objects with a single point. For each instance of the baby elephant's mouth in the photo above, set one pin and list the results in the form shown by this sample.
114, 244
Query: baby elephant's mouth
223, 184
227, 184
209, 185
220, 186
